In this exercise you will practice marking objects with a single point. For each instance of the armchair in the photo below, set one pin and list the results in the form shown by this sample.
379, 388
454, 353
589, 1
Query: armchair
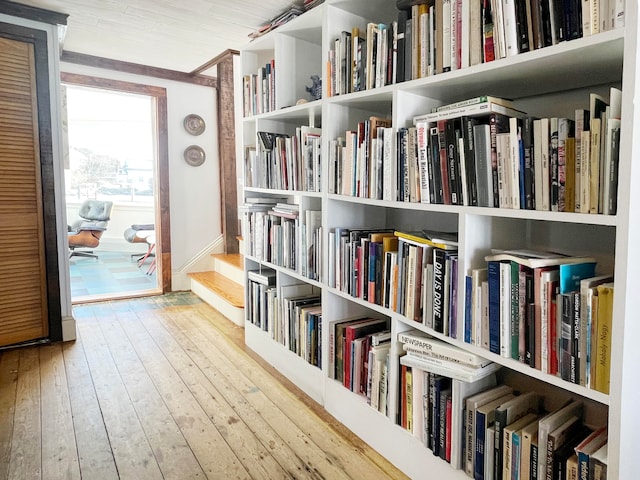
86, 232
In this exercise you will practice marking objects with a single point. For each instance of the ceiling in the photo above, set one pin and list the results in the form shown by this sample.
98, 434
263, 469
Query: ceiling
177, 35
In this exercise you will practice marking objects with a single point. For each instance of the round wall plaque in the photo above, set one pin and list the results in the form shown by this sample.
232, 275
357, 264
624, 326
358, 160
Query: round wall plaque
194, 124
194, 155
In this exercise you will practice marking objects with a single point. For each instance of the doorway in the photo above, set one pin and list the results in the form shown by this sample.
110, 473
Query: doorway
115, 149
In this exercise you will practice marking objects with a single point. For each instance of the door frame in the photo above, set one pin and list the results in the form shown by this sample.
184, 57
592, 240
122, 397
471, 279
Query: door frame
163, 221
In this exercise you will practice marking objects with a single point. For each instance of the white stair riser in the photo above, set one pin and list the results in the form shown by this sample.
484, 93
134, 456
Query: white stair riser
228, 270
235, 314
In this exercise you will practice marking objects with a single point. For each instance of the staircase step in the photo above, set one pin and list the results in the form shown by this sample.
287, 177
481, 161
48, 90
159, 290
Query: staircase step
230, 265
223, 286
221, 293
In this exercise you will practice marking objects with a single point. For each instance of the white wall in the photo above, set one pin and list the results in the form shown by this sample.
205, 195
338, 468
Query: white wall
196, 228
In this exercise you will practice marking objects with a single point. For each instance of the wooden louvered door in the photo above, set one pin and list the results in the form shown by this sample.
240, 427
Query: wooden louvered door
23, 282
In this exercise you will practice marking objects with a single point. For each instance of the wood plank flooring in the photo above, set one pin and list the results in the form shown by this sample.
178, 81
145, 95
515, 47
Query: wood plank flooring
164, 388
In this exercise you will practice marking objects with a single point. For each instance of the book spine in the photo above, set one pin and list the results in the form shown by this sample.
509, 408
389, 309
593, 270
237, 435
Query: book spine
493, 274
438, 289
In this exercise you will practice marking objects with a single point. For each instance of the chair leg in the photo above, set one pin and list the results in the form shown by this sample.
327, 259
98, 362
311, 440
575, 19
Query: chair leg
81, 253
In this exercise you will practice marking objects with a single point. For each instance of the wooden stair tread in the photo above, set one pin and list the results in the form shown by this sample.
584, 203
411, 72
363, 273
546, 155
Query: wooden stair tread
235, 259
231, 291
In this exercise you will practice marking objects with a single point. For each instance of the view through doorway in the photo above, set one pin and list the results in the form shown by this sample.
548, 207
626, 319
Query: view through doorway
112, 161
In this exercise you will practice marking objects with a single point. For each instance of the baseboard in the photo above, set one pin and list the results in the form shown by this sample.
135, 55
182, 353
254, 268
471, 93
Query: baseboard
68, 328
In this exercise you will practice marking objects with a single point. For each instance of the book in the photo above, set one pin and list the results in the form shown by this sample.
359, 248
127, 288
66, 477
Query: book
480, 99
354, 331
535, 258
507, 413
485, 416
528, 435
512, 446
472, 110
588, 447
422, 342
603, 337
598, 463
441, 240
471, 404
557, 438
548, 424
450, 369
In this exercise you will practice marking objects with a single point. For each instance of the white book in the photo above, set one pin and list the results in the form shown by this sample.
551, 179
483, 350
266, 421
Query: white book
418, 390
455, 10
502, 150
422, 134
514, 162
546, 277
465, 33
510, 27
489, 445
484, 176
463, 171
548, 424
451, 370
460, 391
478, 275
505, 310
389, 165
446, 35
537, 162
585, 170
474, 28
420, 341
498, 29
472, 110
587, 18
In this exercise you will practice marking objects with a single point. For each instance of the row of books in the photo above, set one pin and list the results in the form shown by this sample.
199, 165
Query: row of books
291, 314
483, 152
411, 273
285, 162
360, 161
259, 90
491, 431
432, 37
359, 357
547, 310
279, 234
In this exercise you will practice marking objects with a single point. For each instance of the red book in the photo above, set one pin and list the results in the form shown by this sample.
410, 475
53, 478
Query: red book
358, 330
444, 170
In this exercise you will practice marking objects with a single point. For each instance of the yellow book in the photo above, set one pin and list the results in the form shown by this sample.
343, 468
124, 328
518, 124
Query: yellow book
442, 240
409, 400
603, 338
572, 468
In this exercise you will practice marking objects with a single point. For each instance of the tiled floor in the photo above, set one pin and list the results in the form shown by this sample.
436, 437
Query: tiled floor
112, 274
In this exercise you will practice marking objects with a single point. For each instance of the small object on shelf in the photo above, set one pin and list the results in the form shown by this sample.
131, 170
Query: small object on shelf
194, 155
315, 90
194, 124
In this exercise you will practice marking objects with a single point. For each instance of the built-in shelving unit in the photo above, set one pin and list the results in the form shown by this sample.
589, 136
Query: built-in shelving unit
552, 81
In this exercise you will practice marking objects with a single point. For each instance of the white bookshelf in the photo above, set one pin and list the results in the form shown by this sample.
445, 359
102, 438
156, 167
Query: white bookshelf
548, 82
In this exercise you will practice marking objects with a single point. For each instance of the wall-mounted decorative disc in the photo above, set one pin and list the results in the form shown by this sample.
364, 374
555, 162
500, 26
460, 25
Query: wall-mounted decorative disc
194, 155
194, 124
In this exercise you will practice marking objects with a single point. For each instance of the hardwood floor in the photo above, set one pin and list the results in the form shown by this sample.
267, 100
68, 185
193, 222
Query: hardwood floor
162, 387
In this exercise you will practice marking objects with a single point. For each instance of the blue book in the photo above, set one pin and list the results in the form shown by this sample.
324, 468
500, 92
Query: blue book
485, 415
468, 290
572, 273
493, 277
